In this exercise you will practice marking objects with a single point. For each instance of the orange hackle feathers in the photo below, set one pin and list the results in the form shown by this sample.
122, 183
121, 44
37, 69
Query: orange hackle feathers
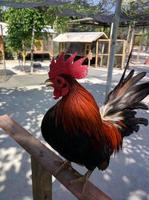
79, 113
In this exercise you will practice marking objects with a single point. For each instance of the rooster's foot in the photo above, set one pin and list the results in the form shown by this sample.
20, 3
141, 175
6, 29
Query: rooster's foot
63, 165
83, 179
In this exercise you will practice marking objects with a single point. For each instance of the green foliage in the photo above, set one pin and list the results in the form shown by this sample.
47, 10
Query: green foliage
135, 9
22, 21
59, 23
20, 25
139, 14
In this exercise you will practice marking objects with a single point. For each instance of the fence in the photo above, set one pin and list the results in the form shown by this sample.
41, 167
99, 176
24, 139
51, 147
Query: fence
44, 166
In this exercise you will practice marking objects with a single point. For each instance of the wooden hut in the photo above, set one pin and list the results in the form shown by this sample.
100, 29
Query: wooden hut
82, 42
95, 42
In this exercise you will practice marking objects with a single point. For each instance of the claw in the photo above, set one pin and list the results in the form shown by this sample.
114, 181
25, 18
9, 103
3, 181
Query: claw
83, 179
63, 165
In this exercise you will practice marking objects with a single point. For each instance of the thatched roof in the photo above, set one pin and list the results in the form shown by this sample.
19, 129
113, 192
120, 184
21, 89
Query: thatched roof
79, 37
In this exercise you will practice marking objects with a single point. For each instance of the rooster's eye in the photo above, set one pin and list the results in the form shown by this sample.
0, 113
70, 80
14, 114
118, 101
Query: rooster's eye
59, 81
64, 85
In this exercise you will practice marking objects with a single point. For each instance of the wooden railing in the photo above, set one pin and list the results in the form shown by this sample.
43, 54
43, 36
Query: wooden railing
44, 166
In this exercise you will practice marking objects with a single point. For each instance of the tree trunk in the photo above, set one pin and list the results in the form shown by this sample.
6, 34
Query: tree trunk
32, 47
23, 58
3, 53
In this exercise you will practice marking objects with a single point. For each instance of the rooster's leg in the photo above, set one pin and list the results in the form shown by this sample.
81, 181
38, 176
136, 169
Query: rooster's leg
63, 165
83, 179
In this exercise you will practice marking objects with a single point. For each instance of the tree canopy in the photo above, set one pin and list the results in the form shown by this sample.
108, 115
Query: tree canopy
21, 21
20, 24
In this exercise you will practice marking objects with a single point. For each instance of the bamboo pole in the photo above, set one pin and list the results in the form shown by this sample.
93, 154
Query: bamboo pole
46, 158
113, 44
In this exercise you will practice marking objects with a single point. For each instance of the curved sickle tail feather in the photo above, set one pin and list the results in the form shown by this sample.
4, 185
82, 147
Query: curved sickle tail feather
123, 100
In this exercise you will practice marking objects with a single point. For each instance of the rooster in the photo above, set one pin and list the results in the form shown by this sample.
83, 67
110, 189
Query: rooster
77, 128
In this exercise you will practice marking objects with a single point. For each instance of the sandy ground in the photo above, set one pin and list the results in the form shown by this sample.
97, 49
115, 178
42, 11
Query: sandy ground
127, 177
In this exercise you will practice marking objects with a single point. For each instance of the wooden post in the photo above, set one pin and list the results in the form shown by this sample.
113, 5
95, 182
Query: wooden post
128, 36
138, 53
89, 56
139, 49
123, 55
60, 47
96, 57
46, 158
41, 182
132, 39
63, 46
102, 52
113, 44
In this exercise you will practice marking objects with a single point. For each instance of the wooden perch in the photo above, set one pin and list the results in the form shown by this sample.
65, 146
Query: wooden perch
46, 158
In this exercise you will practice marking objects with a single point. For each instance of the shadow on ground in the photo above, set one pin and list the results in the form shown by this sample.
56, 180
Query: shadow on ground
37, 67
126, 178
6, 75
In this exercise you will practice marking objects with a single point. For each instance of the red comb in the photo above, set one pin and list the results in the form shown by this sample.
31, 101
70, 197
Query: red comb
70, 67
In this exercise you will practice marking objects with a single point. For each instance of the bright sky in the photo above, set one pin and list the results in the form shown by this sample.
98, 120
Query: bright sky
108, 6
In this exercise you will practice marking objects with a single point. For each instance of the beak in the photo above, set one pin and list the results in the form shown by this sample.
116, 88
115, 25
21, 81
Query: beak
48, 83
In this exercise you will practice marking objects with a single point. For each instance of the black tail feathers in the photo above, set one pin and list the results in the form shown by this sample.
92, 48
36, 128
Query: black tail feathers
123, 100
